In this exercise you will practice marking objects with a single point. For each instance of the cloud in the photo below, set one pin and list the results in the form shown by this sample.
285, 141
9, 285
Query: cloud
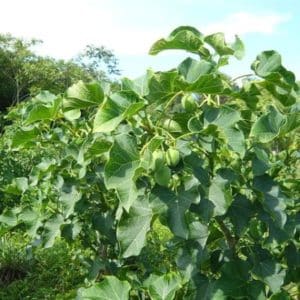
243, 22
66, 26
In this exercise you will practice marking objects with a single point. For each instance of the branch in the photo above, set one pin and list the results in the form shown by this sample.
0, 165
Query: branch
231, 240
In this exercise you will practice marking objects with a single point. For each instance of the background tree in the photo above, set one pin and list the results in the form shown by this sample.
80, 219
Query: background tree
24, 73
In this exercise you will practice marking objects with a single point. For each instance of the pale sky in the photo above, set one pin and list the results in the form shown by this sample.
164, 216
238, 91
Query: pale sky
130, 27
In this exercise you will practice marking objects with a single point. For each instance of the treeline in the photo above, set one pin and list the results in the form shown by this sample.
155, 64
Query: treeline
24, 73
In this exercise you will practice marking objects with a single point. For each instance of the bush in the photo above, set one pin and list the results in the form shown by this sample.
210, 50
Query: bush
228, 207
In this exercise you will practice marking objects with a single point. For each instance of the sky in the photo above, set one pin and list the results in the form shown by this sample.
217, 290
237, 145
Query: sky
130, 27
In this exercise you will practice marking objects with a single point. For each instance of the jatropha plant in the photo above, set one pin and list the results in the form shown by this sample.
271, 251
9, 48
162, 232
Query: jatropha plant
184, 183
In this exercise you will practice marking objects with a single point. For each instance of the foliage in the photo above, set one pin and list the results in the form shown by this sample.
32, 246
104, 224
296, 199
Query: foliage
45, 273
220, 180
24, 73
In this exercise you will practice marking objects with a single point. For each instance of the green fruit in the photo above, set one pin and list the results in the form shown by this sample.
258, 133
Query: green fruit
162, 176
188, 103
171, 125
172, 157
158, 159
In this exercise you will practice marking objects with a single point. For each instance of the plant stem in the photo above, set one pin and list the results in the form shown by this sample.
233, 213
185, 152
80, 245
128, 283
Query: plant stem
231, 240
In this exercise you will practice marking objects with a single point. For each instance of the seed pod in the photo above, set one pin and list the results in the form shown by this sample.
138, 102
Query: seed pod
172, 157
158, 159
171, 125
188, 103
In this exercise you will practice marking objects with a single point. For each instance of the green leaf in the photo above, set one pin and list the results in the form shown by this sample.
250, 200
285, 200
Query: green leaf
9, 217
43, 109
98, 147
207, 84
68, 198
223, 117
23, 136
73, 114
268, 126
18, 186
182, 38
115, 109
273, 200
133, 227
234, 279
217, 41
192, 69
138, 85
198, 232
177, 214
110, 288
267, 63
163, 287
52, 230
270, 273
260, 163
240, 213
120, 169
236, 140
219, 194
238, 47
83, 95
164, 85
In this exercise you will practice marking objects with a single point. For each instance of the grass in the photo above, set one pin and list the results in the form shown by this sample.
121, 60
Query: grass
53, 273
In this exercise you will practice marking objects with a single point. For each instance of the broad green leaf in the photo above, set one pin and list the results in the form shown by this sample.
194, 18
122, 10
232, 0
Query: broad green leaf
73, 114
32, 219
177, 214
236, 140
234, 279
123, 161
270, 273
110, 288
23, 136
138, 85
223, 117
115, 109
98, 147
240, 213
260, 163
133, 227
163, 287
68, 198
9, 217
43, 109
200, 287
207, 84
267, 63
121, 167
268, 126
198, 231
220, 195
18, 186
164, 85
238, 47
83, 95
273, 200
45, 97
192, 69
52, 230
182, 38
217, 41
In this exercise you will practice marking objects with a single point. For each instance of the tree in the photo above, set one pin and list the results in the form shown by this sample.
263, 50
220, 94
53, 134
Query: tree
24, 73
164, 154
98, 61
